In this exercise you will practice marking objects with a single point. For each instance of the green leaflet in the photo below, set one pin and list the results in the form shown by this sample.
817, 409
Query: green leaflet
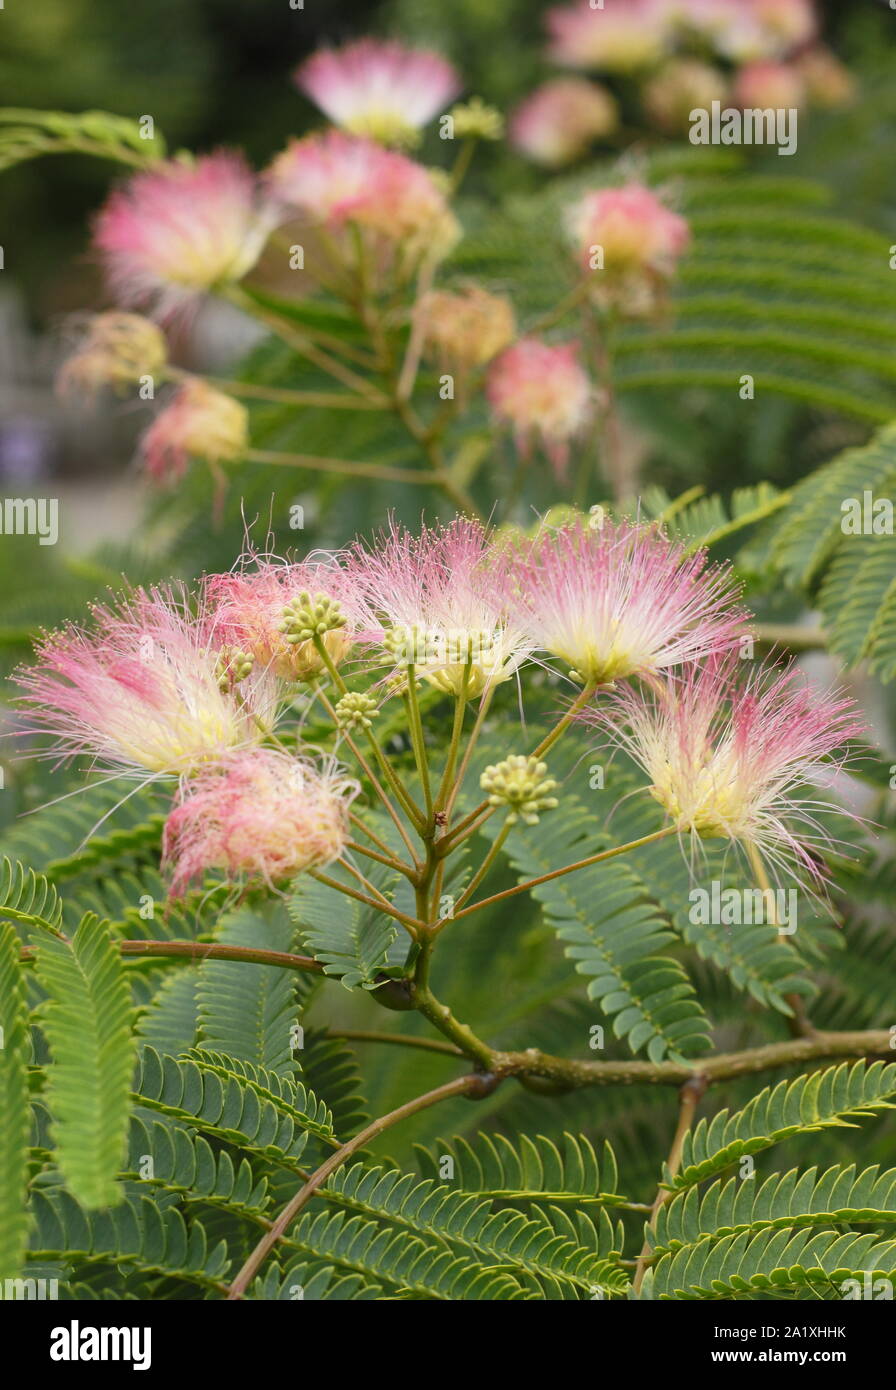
823, 1099
87, 1019
784, 1200
14, 1129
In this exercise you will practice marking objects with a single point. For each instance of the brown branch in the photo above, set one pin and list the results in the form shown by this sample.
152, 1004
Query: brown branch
474, 1084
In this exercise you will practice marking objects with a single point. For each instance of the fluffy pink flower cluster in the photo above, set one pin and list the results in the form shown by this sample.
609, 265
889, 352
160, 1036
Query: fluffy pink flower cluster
333, 180
736, 759
382, 90
257, 815
638, 34
182, 228
544, 394
629, 242
162, 687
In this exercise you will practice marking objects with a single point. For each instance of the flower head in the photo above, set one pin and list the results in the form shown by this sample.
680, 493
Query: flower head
747, 31
558, 122
380, 89
618, 38
828, 82
437, 602
639, 240
522, 785
142, 690
765, 85
200, 422
332, 179
261, 610
681, 86
466, 328
620, 599
180, 229
543, 392
259, 815
115, 350
731, 760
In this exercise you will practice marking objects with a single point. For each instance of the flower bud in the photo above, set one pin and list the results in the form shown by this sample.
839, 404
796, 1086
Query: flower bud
521, 784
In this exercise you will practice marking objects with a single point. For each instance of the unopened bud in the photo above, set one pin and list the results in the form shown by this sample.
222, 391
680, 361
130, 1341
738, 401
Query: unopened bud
305, 618
521, 784
355, 711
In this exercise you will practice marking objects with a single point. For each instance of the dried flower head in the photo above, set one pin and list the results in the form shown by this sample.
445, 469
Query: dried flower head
115, 349
466, 328
620, 599
379, 89
180, 229
142, 689
259, 815
200, 422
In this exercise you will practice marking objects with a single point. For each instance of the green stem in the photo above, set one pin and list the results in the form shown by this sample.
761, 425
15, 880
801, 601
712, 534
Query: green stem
568, 869
347, 467
415, 725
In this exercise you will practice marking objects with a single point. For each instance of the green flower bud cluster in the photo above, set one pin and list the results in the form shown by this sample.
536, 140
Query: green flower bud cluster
232, 666
355, 711
475, 120
522, 784
305, 618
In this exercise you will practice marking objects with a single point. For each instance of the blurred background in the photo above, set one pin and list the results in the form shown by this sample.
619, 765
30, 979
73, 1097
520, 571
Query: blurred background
218, 72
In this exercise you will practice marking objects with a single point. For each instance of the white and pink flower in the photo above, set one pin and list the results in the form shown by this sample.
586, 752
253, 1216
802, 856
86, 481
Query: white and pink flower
332, 179
140, 692
616, 38
618, 599
180, 229
736, 760
542, 391
200, 422
259, 816
438, 602
768, 85
560, 120
250, 610
627, 233
379, 88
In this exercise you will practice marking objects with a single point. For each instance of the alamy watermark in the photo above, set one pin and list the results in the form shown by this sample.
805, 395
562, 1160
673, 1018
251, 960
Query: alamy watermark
744, 907
30, 516
729, 125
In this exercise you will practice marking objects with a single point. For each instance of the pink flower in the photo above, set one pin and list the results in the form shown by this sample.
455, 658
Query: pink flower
763, 86
380, 89
180, 229
733, 760
259, 815
142, 690
613, 599
542, 392
747, 31
621, 37
634, 231
558, 122
438, 601
201, 422
250, 609
332, 179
